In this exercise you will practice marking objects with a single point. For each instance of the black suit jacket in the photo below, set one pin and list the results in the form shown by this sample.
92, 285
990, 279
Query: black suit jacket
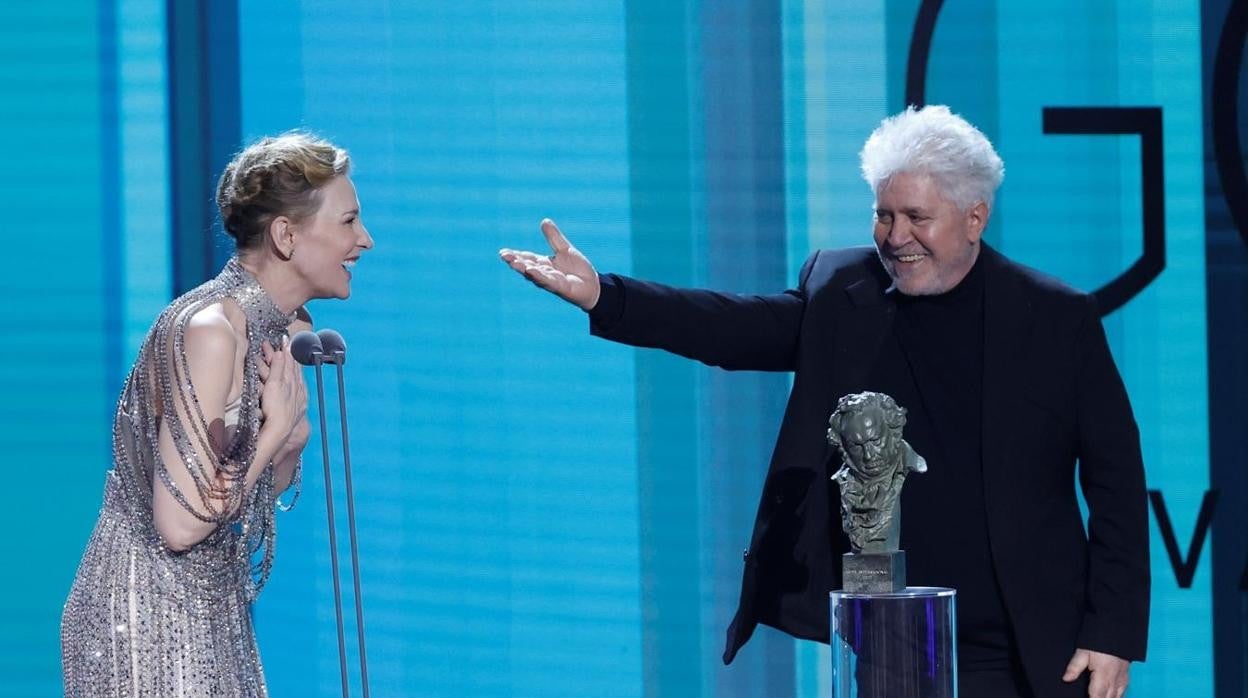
1052, 396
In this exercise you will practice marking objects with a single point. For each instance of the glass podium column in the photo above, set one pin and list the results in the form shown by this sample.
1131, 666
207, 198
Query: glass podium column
894, 645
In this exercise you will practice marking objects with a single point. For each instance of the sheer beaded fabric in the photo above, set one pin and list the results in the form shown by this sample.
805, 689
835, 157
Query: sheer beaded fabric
141, 619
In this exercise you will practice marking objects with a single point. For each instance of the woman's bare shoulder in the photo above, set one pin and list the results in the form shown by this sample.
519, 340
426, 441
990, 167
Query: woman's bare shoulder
214, 334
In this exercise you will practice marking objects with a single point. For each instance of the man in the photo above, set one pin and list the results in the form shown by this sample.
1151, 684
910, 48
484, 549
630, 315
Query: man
1008, 380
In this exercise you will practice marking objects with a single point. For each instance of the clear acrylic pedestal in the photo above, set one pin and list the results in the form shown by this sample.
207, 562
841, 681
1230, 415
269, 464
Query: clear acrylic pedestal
898, 645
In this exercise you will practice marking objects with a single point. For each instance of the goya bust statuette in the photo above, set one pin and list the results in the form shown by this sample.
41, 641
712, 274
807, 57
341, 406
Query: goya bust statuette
866, 428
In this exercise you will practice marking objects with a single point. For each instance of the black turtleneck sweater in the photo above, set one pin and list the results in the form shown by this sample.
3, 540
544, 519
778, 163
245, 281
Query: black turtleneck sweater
932, 363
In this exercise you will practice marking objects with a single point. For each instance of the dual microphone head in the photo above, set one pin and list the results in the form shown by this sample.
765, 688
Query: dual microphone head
326, 347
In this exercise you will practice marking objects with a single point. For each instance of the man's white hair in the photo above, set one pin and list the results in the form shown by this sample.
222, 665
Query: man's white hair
936, 142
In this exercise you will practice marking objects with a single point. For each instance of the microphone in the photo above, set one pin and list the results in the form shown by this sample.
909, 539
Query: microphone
304, 346
333, 345
328, 347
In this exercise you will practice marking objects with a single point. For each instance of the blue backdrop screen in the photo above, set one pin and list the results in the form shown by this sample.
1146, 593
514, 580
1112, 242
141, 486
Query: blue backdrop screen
541, 513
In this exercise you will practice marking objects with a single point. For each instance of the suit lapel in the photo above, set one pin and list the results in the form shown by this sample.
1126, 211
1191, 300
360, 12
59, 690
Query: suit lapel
859, 336
1007, 323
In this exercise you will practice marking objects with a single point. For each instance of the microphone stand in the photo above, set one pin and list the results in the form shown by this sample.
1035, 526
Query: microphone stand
339, 360
316, 350
318, 358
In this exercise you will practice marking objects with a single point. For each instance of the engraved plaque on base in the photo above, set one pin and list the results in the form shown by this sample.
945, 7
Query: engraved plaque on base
874, 573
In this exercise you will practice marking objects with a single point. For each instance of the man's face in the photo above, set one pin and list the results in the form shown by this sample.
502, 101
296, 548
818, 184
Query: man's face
868, 443
926, 244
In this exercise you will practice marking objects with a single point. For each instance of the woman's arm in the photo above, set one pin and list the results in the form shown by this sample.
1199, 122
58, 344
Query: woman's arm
196, 488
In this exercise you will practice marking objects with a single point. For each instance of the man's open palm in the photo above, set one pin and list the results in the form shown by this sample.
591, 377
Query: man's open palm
565, 272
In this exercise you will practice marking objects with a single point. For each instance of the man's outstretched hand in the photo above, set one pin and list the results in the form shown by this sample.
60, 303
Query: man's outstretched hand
1109, 673
565, 272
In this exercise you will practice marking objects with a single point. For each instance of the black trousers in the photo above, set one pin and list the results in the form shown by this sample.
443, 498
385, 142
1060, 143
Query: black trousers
1010, 683
992, 683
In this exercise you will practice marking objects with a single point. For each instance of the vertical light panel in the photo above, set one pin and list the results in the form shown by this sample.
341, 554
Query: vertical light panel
840, 98
1072, 185
494, 442
1162, 350
962, 69
738, 160
836, 64
1074, 212
54, 422
662, 204
1223, 28
204, 130
142, 92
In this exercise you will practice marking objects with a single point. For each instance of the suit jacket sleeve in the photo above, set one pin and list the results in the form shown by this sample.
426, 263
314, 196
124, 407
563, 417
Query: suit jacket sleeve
1111, 473
739, 332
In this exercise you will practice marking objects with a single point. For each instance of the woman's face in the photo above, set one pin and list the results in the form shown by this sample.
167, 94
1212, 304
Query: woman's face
328, 244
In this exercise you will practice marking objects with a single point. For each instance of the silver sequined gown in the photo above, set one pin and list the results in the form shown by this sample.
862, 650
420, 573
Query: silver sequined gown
142, 620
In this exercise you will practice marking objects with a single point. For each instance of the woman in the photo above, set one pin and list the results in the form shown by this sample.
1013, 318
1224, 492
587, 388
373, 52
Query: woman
208, 432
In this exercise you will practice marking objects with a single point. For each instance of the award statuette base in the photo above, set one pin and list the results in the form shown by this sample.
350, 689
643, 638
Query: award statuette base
894, 645
874, 573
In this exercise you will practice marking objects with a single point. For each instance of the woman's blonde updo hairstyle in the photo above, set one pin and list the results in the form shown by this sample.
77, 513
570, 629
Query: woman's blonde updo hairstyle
276, 176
